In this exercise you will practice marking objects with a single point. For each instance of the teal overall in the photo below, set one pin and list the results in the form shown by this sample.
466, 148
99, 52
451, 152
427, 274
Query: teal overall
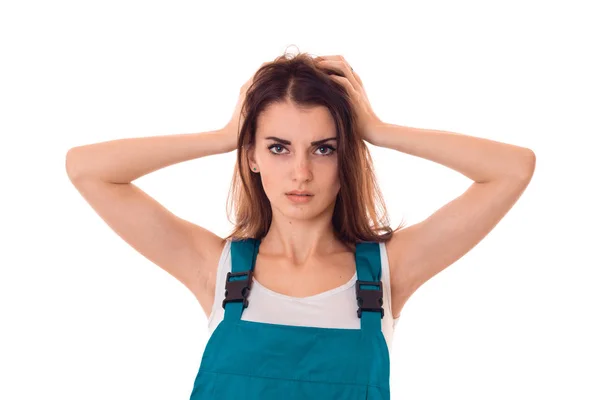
252, 360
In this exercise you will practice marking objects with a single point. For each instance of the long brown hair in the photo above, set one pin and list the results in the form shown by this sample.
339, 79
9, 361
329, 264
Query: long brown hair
360, 213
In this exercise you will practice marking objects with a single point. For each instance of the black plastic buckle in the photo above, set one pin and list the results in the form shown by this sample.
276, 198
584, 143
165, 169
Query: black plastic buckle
238, 290
369, 299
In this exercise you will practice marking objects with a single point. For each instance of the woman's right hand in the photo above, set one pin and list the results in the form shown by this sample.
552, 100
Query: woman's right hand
232, 129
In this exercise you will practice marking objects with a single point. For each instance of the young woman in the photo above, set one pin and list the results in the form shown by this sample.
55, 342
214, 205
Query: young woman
303, 295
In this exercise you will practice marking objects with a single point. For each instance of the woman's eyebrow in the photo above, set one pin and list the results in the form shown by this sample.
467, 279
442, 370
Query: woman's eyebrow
283, 141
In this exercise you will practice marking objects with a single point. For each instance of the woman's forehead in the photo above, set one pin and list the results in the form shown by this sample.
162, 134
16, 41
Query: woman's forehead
293, 125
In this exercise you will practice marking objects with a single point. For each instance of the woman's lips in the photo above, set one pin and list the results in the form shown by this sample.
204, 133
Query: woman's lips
299, 198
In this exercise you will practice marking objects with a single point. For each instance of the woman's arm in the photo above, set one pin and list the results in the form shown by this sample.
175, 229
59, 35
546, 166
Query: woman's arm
501, 172
125, 160
102, 173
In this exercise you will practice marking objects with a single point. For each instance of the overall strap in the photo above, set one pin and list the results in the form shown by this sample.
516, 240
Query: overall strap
239, 280
369, 289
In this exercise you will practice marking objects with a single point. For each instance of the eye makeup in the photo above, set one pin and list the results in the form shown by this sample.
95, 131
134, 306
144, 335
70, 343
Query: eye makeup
331, 148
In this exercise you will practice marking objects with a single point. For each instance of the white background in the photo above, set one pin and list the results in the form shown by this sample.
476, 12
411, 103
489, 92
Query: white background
84, 316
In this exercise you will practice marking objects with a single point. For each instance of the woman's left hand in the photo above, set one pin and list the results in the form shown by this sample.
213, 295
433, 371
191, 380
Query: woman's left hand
367, 120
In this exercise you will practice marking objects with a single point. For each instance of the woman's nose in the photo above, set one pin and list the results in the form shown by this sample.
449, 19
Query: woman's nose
302, 169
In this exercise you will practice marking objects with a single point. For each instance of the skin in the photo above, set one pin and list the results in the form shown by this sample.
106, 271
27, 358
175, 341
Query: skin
301, 234
300, 238
500, 173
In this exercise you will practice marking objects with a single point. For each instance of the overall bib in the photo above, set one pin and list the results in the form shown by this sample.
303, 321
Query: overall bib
247, 360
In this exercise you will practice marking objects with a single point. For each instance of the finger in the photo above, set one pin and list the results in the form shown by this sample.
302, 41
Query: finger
336, 58
345, 83
354, 74
343, 68
338, 65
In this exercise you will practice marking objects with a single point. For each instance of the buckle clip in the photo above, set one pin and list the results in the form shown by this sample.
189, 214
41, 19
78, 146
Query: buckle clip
369, 299
238, 290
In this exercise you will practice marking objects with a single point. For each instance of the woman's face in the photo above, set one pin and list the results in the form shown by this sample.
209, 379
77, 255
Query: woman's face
287, 159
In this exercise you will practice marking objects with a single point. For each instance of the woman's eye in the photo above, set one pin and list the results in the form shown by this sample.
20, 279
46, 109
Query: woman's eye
327, 147
275, 145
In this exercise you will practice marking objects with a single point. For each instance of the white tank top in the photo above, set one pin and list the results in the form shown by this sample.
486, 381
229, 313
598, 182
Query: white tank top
335, 308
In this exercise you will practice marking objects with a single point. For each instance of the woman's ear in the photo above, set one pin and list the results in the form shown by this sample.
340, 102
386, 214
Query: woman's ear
252, 158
